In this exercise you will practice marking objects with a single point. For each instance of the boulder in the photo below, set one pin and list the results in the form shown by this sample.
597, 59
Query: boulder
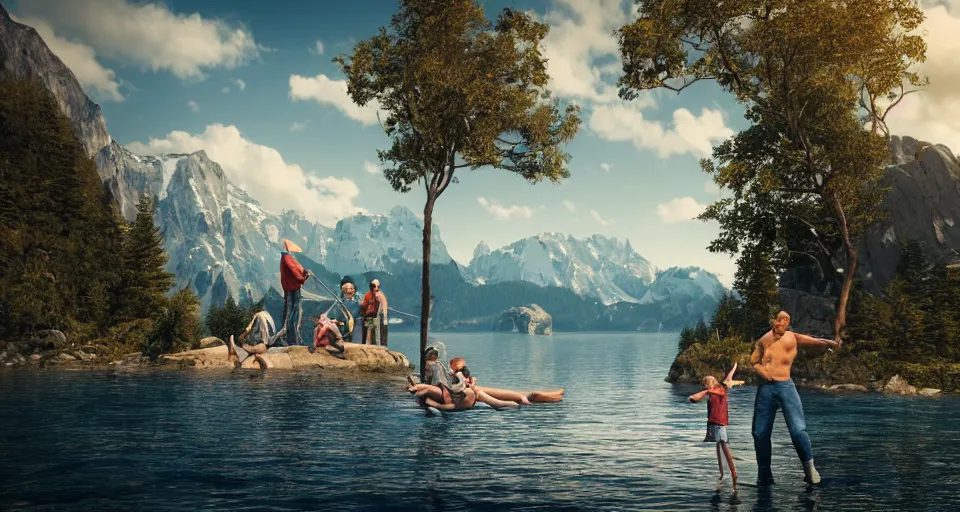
63, 356
211, 341
847, 387
530, 320
83, 356
52, 336
929, 392
899, 386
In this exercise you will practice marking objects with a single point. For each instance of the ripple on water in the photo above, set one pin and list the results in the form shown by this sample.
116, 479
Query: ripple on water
621, 440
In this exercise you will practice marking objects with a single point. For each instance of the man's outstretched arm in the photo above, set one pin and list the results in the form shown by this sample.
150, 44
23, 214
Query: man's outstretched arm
809, 341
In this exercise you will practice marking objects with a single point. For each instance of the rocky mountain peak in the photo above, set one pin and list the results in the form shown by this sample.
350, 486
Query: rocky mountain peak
482, 250
25, 56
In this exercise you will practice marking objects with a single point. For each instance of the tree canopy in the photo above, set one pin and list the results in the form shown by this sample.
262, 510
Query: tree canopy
818, 79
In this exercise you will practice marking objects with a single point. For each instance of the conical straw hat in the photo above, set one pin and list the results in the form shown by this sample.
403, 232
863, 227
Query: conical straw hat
290, 246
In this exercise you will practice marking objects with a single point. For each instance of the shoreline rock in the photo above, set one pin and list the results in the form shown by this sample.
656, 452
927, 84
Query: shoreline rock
899, 386
366, 358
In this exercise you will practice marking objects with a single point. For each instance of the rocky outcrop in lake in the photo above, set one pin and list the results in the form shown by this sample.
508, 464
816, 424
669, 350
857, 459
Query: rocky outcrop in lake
526, 319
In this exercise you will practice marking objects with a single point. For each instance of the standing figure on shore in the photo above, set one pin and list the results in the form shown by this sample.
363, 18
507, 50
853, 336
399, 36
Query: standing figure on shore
292, 277
347, 316
374, 311
772, 359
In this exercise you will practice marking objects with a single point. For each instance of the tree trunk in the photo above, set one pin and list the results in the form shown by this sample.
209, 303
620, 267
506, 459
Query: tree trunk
425, 280
849, 271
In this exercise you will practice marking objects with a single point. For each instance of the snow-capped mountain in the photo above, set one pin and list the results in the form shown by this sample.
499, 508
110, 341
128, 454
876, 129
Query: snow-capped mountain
595, 266
684, 284
375, 242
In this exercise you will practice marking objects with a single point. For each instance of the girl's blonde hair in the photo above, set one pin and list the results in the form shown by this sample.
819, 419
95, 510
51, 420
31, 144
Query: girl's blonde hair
457, 364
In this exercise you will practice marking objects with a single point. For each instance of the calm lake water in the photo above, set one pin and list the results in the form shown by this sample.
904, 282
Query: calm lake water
623, 439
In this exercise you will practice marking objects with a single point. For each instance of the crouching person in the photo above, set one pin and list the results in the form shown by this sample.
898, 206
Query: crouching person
258, 334
326, 335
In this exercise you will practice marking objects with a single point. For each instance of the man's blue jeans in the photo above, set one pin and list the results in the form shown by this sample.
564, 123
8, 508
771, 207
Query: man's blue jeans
770, 397
289, 335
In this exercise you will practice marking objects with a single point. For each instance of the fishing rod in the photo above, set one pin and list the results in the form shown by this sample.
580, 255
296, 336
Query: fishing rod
340, 301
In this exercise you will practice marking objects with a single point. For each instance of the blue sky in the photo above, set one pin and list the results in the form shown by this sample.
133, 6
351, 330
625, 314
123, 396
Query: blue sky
252, 83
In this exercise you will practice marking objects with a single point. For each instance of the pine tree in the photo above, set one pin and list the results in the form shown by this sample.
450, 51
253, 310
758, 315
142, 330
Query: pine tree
757, 282
144, 282
177, 325
230, 319
57, 230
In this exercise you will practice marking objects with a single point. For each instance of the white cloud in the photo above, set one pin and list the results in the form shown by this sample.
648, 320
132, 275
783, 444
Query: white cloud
225, 90
297, 126
262, 172
317, 48
193, 106
934, 113
606, 167
711, 188
569, 205
688, 134
240, 84
580, 32
81, 59
505, 212
325, 91
600, 220
371, 167
681, 209
150, 35
584, 63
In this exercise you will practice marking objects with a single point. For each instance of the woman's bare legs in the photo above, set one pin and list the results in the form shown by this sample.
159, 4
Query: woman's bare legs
493, 402
523, 397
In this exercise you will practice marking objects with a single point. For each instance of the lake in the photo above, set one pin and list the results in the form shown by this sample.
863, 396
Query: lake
622, 439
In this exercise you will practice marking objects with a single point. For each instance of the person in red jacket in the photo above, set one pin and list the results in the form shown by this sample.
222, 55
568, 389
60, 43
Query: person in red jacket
717, 418
292, 277
373, 308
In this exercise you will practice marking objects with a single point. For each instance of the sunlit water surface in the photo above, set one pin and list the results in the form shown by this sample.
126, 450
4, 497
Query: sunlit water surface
622, 439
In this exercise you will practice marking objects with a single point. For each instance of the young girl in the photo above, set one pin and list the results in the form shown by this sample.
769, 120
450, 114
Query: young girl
717, 418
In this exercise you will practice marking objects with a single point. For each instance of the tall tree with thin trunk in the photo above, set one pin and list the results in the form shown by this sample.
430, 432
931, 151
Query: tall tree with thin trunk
459, 92
818, 79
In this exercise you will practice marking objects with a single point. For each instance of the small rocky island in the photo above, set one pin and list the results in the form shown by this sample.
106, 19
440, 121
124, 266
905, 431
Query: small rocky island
49, 349
526, 319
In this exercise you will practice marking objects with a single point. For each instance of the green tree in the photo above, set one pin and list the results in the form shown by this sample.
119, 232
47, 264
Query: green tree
176, 326
230, 319
728, 317
756, 279
459, 92
144, 282
811, 75
58, 231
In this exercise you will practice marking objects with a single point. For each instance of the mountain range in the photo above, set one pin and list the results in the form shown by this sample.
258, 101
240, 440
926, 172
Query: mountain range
221, 241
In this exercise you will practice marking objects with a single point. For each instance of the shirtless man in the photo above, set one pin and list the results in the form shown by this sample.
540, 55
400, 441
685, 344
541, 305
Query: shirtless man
772, 358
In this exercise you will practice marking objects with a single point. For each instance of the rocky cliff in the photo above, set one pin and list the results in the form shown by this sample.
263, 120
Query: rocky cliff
923, 204
24, 55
